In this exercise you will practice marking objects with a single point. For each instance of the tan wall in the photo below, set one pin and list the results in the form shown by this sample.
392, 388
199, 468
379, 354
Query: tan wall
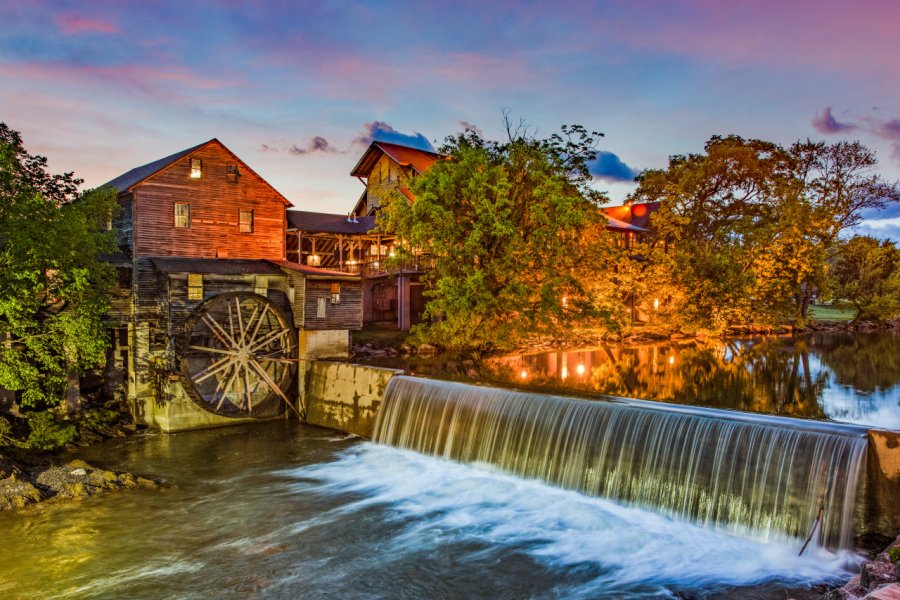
385, 178
345, 397
881, 484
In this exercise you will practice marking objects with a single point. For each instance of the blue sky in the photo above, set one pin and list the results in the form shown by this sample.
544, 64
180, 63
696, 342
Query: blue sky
296, 89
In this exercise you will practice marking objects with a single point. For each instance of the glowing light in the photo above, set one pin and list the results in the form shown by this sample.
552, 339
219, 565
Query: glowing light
656, 304
565, 301
564, 373
524, 374
391, 254
672, 360
580, 369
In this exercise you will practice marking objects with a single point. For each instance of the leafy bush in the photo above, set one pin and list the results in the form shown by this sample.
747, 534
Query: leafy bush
5, 432
48, 433
894, 554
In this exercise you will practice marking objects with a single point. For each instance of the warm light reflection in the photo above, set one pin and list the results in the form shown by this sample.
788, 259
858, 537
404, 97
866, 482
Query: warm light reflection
580, 369
524, 374
564, 373
672, 360
656, 304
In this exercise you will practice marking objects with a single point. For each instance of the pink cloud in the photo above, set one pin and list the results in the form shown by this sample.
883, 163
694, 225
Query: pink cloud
73, 24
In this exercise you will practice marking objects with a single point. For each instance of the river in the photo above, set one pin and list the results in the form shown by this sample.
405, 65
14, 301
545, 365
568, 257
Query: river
282, 510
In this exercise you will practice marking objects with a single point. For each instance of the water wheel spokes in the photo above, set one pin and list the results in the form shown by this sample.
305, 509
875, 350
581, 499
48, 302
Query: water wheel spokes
239, 357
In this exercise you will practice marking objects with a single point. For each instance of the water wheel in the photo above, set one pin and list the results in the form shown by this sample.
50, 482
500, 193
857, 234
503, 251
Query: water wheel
238, 356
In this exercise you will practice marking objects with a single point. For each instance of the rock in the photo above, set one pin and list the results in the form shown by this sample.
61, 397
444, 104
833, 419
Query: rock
427, 350
78, 464
78, 472
889, 591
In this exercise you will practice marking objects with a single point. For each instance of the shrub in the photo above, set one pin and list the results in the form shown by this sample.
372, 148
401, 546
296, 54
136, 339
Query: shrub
48, 433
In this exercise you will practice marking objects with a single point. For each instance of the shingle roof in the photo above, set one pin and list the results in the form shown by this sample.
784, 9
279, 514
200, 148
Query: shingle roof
314, 222
420, 160
629, 216
138, 174
215, 266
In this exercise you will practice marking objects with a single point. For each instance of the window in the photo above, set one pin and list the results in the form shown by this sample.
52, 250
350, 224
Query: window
320, 309
335, 293
195, 286
261, 285
231, 172
196, 168
245, 221
182, 215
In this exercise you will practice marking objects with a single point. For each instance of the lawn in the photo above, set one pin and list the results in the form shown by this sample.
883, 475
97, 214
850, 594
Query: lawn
832, 313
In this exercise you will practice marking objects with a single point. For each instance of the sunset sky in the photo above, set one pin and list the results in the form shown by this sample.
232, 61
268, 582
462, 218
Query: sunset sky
298, 89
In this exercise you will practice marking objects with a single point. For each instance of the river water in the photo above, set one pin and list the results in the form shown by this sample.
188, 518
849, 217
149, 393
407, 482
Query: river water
282, 510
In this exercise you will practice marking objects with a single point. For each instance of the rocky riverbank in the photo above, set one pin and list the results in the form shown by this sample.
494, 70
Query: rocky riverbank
21, 485
878, 579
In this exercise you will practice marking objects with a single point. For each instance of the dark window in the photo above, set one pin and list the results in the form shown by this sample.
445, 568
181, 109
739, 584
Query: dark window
231, 172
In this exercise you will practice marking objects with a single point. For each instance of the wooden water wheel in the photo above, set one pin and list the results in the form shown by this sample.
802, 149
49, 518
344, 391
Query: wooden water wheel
238, 356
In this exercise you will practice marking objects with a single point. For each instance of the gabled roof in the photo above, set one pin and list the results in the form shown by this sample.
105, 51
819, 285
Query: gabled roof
633, 217
314, 222
419, 160
127, 181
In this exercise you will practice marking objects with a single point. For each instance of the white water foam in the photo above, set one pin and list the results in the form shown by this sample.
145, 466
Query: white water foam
444, 502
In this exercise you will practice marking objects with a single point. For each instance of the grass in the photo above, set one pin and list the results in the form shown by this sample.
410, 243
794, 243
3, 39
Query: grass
832, 313
379, 337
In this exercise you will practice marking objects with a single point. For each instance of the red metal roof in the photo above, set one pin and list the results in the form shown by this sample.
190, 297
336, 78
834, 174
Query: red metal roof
314, 271
419, 160
630, 217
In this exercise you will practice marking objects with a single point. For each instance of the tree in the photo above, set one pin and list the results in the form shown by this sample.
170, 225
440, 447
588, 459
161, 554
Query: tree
866, 273
515, 234
753, 225
833, 185
53, 287
715, 213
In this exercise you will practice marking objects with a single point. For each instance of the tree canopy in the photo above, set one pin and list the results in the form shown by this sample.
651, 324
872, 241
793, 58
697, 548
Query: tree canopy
752, 225
53, 287
515, 234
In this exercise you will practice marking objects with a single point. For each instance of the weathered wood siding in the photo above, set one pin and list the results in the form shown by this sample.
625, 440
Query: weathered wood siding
215, 204
385, 178
180, 307
346, 315
124, 225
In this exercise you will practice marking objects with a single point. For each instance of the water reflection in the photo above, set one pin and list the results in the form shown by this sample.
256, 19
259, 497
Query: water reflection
841, 377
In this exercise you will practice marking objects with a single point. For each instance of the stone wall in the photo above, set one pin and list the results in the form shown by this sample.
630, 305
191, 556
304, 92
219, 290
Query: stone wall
881, 484
345, 397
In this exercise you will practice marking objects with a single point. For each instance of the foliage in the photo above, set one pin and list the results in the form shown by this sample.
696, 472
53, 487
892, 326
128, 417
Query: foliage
866, 273
47, 432
515, 234
752, 226
5, 432
53, 288
894, 554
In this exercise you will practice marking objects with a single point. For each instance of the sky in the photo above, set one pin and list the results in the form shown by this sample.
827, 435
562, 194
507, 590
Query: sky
298, 89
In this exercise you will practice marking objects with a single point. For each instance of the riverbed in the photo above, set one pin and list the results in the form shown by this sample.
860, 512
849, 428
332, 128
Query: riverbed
282, 510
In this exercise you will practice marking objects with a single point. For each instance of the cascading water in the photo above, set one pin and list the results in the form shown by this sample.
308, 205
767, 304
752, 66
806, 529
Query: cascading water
761, 477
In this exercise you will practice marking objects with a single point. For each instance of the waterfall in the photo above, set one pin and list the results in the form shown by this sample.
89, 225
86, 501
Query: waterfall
751, 475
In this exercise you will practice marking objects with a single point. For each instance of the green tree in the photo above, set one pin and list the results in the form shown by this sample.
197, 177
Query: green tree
53, 287
515, 234
753, 225
866, 273
833, 184
716, 211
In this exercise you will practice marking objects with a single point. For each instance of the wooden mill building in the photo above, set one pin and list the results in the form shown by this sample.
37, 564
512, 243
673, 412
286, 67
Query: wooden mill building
392, 290
211, 318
